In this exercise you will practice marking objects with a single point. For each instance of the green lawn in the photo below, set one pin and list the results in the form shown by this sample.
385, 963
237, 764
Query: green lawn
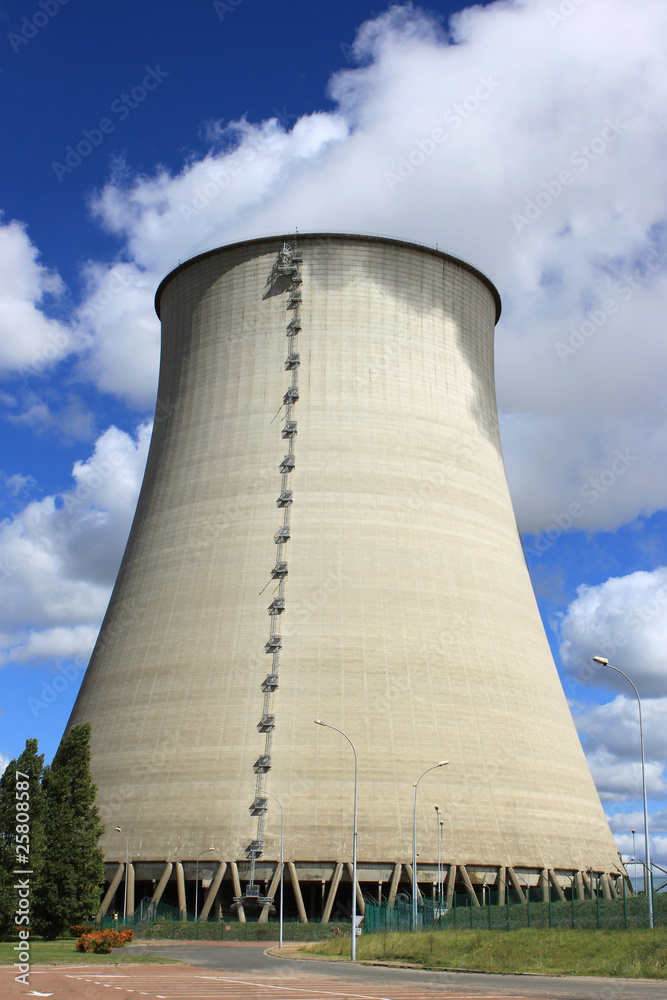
64, 951
629, 954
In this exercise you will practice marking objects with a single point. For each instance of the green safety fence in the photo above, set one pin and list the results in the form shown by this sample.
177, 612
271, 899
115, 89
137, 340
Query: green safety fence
161, 922
591, 914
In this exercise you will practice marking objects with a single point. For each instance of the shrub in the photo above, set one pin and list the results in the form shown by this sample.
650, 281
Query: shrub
101, 942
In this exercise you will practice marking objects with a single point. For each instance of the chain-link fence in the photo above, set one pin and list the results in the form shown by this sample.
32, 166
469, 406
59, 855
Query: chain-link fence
161, 922
511, 914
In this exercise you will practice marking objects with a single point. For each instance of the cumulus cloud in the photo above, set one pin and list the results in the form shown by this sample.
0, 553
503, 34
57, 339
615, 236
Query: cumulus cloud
59, 555
122, 331
17, 485
29, 340
514, 141
610, 736
624, 620
620, 781
71, 421
615, 726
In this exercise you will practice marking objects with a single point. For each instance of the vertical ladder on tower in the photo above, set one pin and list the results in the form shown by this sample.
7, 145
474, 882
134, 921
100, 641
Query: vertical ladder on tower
287, 265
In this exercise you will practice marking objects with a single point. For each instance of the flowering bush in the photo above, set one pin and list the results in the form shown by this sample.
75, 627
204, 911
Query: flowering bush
101, 942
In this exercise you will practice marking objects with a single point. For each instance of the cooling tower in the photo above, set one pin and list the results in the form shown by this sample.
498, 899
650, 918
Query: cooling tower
324, 531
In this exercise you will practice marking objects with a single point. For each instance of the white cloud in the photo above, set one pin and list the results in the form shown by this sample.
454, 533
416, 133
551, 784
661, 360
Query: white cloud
29, 340
59, 556
4, 761
74, 642
610, 736
17, 484
73, 421
624, 620
123, 331
621, 781
463, 144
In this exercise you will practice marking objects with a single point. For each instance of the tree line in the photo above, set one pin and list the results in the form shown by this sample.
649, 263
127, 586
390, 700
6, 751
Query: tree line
51, 867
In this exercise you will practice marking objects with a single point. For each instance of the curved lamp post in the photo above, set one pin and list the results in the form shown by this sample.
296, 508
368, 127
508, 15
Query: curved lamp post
318, 722
440, 763
205, 851
282, 867
127, 865
649, 887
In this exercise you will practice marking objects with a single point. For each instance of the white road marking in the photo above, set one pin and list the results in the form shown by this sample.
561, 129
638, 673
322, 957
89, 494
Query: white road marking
296, 989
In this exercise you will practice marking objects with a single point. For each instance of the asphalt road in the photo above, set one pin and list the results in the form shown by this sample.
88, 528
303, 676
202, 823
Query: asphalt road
251, 963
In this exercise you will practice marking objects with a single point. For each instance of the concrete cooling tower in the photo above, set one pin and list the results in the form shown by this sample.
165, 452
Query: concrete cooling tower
324, 531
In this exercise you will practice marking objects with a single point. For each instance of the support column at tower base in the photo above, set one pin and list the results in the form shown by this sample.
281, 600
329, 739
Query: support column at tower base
169, 884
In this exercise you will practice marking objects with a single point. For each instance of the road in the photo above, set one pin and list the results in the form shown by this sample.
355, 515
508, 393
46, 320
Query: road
246, 972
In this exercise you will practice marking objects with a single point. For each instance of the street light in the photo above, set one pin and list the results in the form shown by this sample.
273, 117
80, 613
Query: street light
634, 856
442, 865
282, 867
440, 763
318, 722
127, 865
439, 833
205, 851
649, 887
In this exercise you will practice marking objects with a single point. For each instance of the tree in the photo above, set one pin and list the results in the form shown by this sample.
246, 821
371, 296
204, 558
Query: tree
72, 874
21, 827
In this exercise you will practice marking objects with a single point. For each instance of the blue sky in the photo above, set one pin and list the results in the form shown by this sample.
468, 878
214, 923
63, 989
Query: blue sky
527, 137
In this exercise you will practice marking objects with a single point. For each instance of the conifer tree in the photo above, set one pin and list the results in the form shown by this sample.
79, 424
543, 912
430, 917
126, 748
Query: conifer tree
72, 873
21, 842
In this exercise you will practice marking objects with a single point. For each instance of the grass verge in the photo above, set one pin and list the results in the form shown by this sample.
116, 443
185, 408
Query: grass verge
627, 954
64, 951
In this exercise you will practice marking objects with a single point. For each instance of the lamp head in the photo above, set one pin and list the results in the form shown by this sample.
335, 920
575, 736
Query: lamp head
441, 763
318, 722
601, 659
119, 829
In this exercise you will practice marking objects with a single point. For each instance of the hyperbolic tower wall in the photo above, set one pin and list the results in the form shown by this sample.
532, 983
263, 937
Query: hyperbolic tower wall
326, 447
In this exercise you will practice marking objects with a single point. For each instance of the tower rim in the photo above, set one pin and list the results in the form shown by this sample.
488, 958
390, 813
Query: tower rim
365, 237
